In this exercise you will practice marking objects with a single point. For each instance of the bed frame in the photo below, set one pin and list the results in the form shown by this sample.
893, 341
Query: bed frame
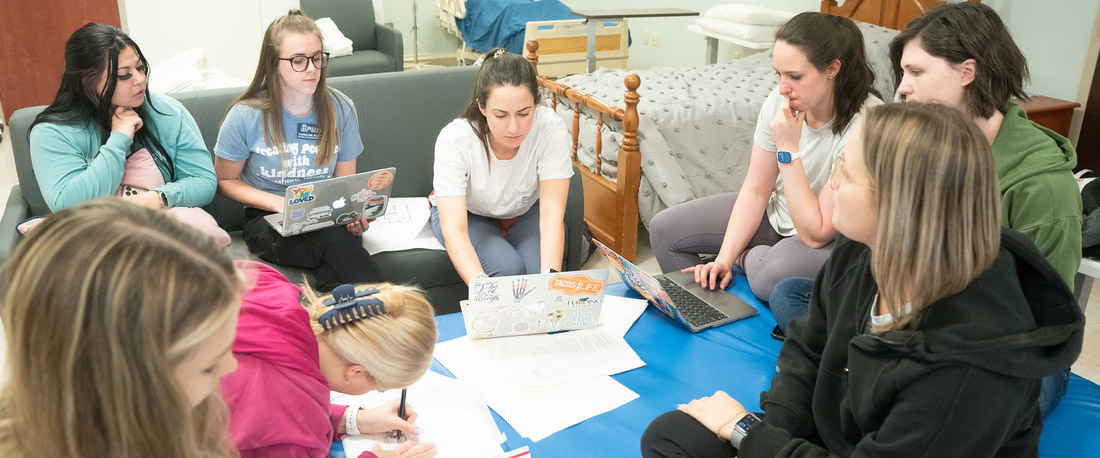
611, 207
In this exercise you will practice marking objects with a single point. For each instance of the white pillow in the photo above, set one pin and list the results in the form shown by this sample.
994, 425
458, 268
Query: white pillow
217, 78
179, 73
336, 44
748, 14
757, 33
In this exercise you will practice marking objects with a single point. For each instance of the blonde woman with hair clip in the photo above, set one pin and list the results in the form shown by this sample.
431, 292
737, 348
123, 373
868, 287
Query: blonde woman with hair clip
927, 321
119, 323
289, 128
294, 346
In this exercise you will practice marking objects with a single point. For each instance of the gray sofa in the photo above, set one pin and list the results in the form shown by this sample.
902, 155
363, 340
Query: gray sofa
400, 115
375, 47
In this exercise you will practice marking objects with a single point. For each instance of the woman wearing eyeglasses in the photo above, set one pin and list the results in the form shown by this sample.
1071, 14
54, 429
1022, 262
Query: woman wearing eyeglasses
286, 129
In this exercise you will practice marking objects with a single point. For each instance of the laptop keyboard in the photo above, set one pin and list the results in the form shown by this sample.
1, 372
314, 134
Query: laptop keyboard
694, 310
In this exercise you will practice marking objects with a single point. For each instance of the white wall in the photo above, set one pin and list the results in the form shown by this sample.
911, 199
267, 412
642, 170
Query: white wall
229, 30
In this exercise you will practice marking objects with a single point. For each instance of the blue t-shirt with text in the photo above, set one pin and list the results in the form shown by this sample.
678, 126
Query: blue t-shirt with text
241, 138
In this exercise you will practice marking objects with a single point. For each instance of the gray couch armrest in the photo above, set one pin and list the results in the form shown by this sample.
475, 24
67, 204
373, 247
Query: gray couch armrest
391, 42
575, 250
15, 212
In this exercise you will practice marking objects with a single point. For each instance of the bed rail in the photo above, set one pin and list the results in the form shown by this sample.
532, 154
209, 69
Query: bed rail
610, 207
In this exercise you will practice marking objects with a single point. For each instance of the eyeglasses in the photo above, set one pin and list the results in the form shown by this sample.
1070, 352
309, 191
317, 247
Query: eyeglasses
301, 63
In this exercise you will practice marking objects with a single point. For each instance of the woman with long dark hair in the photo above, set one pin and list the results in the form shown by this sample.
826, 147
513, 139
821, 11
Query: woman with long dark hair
778, 224
103, 123
502, 176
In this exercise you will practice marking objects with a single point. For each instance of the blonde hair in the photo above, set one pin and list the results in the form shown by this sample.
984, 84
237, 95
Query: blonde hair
265, 94
101, 303
939, 207
395, 347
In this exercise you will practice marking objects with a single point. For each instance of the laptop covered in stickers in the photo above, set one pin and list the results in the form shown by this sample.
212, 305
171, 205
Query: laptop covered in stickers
331, 202
532, 304
679, 296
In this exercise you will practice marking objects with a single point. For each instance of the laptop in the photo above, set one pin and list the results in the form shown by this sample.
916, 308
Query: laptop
679, 296
530, 304
331, 202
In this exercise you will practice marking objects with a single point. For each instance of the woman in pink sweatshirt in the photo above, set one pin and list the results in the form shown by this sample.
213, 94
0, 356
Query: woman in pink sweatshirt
291, 354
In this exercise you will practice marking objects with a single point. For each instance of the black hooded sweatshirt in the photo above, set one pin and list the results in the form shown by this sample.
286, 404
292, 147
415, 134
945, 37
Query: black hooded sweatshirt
964, 383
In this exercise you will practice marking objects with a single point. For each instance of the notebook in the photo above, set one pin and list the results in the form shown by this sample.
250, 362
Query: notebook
679, 296
335, 201
530, 304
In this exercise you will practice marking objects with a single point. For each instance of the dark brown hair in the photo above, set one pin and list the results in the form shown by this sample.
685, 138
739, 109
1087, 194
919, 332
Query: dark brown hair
500, 68
824, 38
962, 31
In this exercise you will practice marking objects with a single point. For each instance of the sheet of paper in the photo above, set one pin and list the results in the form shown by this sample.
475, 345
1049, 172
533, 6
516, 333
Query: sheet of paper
539, 359
404, 226
618, 314
510, 371
536, 412
451, 414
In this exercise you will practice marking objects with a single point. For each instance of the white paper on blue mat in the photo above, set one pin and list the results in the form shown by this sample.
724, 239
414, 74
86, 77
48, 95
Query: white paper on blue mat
618, 314
451, 414
539, 359
536, 412
404, 226
539, 410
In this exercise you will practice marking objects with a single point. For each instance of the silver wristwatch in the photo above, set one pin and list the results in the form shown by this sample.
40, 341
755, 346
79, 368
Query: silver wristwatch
742, 428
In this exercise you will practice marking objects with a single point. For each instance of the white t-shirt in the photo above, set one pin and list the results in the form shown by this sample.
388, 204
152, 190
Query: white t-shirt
507, 188
818, 148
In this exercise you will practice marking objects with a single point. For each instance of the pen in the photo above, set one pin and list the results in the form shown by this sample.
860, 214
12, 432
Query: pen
401, 410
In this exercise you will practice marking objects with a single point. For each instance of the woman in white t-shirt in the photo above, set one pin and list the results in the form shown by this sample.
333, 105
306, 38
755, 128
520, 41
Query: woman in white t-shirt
778, 224
502, 176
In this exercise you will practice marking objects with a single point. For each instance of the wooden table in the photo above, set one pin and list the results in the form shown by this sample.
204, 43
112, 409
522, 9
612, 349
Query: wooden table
1049, 112
619, 15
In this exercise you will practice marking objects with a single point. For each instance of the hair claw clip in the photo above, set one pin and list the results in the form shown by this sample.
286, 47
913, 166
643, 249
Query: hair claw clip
349, 305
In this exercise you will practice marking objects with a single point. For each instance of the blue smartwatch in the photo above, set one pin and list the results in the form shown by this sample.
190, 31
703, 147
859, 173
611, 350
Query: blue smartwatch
785, 157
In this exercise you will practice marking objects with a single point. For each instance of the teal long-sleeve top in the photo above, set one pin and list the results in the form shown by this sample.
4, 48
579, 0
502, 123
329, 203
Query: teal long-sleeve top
72, 166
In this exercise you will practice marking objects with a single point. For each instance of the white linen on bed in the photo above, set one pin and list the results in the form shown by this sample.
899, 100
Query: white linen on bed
696, 124
748, 14
747, 32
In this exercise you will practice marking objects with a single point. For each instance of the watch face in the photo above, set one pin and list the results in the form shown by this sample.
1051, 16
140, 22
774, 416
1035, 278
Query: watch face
747, 422
784, 157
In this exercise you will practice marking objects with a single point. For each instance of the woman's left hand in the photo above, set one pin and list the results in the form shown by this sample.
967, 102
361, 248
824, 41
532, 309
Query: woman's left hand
358, 227
786, 127
384, 418
714, 412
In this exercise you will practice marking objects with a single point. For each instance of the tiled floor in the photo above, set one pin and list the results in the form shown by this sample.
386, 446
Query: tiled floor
1088, 364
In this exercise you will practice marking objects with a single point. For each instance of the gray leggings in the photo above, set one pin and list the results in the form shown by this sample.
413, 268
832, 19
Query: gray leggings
681, 233
500, 257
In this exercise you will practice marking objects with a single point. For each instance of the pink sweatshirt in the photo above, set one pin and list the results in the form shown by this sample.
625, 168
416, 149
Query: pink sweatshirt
278, 399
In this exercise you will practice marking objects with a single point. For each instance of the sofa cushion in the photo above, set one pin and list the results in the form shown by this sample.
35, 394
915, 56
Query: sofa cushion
361, 62
421, 267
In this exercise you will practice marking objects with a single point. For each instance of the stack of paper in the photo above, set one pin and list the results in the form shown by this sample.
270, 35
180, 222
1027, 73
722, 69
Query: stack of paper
404, 226
451, 414
541, 384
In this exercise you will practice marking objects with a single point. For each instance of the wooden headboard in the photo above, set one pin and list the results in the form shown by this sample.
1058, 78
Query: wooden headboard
894, 14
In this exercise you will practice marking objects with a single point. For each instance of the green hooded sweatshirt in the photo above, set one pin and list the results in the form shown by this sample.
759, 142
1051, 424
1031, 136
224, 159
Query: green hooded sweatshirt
1039, 195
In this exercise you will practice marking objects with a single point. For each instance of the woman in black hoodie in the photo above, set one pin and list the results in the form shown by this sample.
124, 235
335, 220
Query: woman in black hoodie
930, 326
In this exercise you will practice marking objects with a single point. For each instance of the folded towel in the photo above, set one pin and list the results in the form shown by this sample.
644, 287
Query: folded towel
747, 32
748, 14
335, 43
